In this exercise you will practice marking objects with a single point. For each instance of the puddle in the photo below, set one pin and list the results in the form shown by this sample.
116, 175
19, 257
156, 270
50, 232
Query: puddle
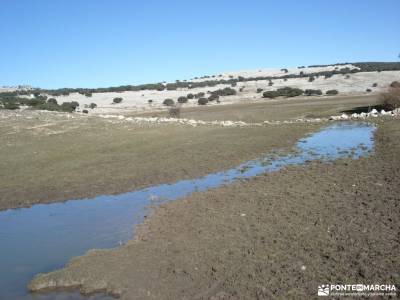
44, 237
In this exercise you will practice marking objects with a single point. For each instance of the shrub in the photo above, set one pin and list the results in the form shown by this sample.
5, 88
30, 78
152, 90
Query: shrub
347, 77
174, 112
213, 97
332, 92
395, 84
69, 106
9, 105
368, 90
270, 94
52, 100
375, 85
391, 99
85, 111
270, 83
224, 92
311, 78
92, 105
117, 100
285, 92
202, 101
290, 92
182, 99
168, 102
88, 94
310, 92
199, 95
259, 90
190, 96
233, 84
149, 101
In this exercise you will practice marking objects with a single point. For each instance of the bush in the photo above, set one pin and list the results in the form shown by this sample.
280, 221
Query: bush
332, 92
311, 79
368, 90
88, 94
92, 105
168, 102
202, 101
270, 83
69, 106
233, 84
150, 101
9, 105
224, 92
270, 94
391, 99
213, 98
395, 84
182, 99
375, 85
85, 111
52, 101
290, 92
310, 92
174, 112
259, 90
190, 96
199, 95
117, 100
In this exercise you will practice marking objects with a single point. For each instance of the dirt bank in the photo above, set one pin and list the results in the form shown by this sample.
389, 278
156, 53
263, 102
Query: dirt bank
279, 235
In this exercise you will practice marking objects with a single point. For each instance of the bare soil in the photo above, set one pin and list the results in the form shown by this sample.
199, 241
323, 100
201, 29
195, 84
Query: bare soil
276, 236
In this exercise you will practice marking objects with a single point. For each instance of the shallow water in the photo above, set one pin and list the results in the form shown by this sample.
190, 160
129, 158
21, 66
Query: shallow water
44, 237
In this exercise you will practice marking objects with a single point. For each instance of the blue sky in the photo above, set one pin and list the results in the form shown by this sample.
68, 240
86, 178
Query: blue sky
99, 43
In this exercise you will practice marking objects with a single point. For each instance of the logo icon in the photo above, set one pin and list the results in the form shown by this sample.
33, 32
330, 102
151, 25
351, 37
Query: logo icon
323, 290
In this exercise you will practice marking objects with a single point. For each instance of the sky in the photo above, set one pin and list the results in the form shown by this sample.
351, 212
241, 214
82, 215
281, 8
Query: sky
101, 43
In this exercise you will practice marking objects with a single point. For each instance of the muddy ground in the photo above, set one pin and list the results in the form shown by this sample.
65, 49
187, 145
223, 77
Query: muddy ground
276, 236
47, 157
